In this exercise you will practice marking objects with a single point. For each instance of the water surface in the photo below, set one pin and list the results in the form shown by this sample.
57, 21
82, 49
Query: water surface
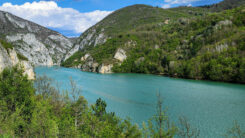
210, 106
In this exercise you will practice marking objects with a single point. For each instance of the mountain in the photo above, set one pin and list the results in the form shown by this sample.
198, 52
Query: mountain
38, 44
225, 5
126, 19
185, 42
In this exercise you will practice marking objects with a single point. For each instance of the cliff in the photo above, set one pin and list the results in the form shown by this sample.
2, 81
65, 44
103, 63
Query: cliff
40, 45
9, 58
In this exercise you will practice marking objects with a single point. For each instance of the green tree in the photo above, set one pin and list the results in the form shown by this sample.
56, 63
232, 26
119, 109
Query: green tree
185, 130
43, 122
159, 125
99, 108
16, 90
235, 131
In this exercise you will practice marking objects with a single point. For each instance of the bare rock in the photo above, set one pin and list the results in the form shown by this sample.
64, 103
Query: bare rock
105, 68
85, 57
120, 55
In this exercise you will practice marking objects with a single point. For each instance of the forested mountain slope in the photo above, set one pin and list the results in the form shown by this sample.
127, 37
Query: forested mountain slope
225, 5
182, 42
126, 19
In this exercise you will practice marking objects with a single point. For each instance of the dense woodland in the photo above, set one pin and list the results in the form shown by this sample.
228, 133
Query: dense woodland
185, 42
41, 109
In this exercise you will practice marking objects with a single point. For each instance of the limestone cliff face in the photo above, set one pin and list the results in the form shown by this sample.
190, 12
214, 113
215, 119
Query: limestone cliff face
40, 45
5, 60
90, 65
120, 55
105, 68
30, 47
90, 38
9, 58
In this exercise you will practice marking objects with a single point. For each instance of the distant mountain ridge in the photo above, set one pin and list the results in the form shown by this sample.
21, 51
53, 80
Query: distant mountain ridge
225, 5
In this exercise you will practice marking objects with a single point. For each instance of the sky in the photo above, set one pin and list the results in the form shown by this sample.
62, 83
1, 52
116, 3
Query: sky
72, 17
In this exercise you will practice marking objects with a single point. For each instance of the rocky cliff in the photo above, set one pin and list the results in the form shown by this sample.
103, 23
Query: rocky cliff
9, 58
40, 45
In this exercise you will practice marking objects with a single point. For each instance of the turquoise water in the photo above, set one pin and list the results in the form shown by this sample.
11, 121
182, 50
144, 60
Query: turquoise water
210, 106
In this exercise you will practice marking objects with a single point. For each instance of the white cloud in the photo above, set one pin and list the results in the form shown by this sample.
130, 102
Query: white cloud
49, 14
180, 1
166, 6
170, 3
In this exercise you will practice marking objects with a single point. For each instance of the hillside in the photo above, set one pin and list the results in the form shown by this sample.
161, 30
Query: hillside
38, 44
225, 5
126, 19
181, 42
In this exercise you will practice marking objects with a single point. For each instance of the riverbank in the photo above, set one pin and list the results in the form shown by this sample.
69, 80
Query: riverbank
168, 75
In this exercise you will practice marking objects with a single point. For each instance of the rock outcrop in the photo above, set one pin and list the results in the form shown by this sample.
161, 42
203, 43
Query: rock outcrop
220, 24
28, 69
90, 65
91, 37
105, 68
120, 55
71, 52
9, 58
5, 60
85, 57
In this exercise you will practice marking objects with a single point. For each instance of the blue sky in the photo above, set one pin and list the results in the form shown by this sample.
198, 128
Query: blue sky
72, 17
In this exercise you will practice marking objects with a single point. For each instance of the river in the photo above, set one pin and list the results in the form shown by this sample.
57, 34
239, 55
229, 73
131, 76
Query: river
210, 106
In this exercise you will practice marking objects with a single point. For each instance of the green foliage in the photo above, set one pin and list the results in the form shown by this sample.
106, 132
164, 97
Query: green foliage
21, 57
131, 17
159, 125
6, 45
73, 60
225, 4
16, 96
16, 90
99, 107
186, 131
